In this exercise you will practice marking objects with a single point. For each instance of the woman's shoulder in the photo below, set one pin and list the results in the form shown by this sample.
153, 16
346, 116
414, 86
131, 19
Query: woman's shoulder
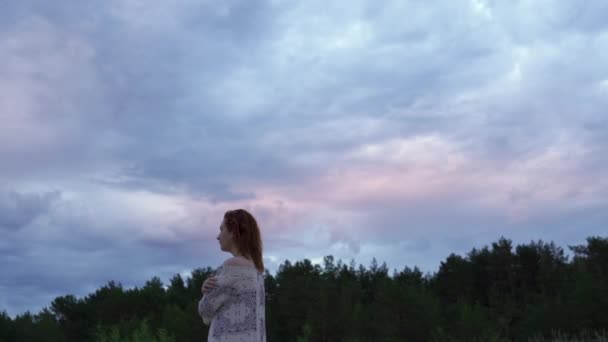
238, 261
239, 267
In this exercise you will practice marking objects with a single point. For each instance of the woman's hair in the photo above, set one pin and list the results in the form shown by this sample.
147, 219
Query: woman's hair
246, 233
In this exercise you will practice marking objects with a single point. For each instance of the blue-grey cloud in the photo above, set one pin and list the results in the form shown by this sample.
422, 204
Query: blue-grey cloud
399, 130
20, 209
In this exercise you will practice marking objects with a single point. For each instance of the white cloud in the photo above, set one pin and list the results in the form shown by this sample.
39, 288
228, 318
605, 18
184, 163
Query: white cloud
397, 130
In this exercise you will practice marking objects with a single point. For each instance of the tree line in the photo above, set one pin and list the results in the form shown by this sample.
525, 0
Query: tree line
530, 292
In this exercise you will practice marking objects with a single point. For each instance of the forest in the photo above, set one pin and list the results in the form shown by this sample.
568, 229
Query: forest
500, 292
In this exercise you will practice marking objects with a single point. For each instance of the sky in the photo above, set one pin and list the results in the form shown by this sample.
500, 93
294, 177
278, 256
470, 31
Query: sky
400, 130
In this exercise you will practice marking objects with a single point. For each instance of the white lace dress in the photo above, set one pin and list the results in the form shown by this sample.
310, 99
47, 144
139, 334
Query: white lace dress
236, 307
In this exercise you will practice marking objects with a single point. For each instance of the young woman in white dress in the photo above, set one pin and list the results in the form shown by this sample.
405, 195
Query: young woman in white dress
233, 300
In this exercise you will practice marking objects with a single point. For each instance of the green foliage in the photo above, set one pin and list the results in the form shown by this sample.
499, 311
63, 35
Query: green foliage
142, 333
306, 330
501, 292
7, 328
584, 336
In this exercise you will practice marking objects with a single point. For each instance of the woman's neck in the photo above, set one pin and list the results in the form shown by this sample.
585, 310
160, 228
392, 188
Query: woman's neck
239, 255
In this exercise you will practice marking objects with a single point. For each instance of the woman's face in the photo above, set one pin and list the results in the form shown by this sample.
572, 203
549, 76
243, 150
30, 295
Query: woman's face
225, 238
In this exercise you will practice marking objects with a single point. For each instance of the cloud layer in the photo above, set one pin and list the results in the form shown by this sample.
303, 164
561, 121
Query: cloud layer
398, 130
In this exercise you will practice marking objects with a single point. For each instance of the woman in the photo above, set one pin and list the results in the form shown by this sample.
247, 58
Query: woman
234, 298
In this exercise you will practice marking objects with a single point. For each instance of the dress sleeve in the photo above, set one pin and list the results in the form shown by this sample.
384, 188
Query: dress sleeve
212, 301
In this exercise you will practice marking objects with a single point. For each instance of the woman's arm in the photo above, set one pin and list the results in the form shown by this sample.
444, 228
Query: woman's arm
212, 301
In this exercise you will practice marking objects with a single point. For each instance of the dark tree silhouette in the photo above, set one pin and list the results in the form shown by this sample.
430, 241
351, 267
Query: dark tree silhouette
497, 292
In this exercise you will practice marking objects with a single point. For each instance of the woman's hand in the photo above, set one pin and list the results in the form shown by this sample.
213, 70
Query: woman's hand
209, 284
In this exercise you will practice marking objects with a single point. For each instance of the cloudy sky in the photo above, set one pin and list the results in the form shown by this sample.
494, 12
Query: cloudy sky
401, 130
